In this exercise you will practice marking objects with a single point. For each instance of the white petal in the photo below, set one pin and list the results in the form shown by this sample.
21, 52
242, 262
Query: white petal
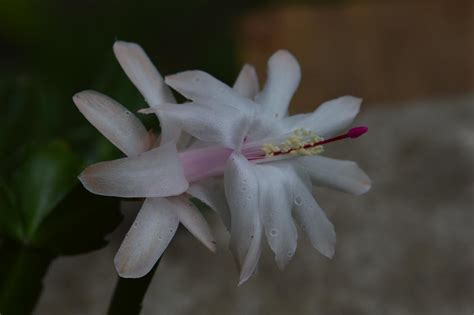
337, 174
142, 73
241, 189
247, 82
170, 131
313, 220
282, 81
203, 88
155, 173
210, 123
147, 239
114, 121
329, 118
276, 203
253, 255
193, 220
211, 192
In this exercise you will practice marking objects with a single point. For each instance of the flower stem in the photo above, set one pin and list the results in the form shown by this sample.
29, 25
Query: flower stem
21, 281
129, 293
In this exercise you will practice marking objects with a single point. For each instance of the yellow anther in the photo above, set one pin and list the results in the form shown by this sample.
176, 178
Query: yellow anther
300, 142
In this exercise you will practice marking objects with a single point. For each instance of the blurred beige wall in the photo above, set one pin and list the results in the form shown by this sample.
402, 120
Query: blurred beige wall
384, 52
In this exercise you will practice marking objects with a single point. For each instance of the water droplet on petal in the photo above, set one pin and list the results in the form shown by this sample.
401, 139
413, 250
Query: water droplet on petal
171, 231
290, 254
273, 232
298, 200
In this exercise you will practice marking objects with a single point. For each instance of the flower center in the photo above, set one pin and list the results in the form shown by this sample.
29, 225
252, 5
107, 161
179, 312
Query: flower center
300, 142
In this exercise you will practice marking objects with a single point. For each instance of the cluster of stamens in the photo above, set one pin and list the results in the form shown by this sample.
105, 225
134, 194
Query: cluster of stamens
300, 142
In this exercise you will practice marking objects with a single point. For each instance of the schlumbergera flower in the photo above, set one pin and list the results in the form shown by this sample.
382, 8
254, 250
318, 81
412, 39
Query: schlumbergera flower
268, 160
158, 219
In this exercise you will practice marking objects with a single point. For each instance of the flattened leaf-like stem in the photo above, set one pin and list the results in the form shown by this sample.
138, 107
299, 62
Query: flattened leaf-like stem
129, 294
21, 281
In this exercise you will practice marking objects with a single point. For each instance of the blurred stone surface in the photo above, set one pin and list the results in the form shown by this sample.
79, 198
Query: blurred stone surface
405, 248
385, 51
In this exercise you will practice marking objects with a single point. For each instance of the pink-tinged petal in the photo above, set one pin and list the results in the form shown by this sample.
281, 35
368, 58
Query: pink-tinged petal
312, 218
142, 73
283, 77
337, 174
114, 121
329, 118
276, 203
247, 82
155, 173
210, 123
203, 88
203, 163
211, 192
193, 220
241, 189
147, 239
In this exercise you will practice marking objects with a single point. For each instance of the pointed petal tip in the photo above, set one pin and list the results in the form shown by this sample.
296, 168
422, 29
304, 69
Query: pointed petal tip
243, 279
352, 100
365, 187
282, 53
76, 97
122, 269
330, 249
79, 97
90, 99
331, 254
146, 111
212, 246
119, 45
85, 178
248, 68
183, 76
125, 272
82, 177
286, 59
364, 183
281, 264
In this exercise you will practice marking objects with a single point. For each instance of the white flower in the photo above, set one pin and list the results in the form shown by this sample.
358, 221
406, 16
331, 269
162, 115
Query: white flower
160, 215
269, 160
